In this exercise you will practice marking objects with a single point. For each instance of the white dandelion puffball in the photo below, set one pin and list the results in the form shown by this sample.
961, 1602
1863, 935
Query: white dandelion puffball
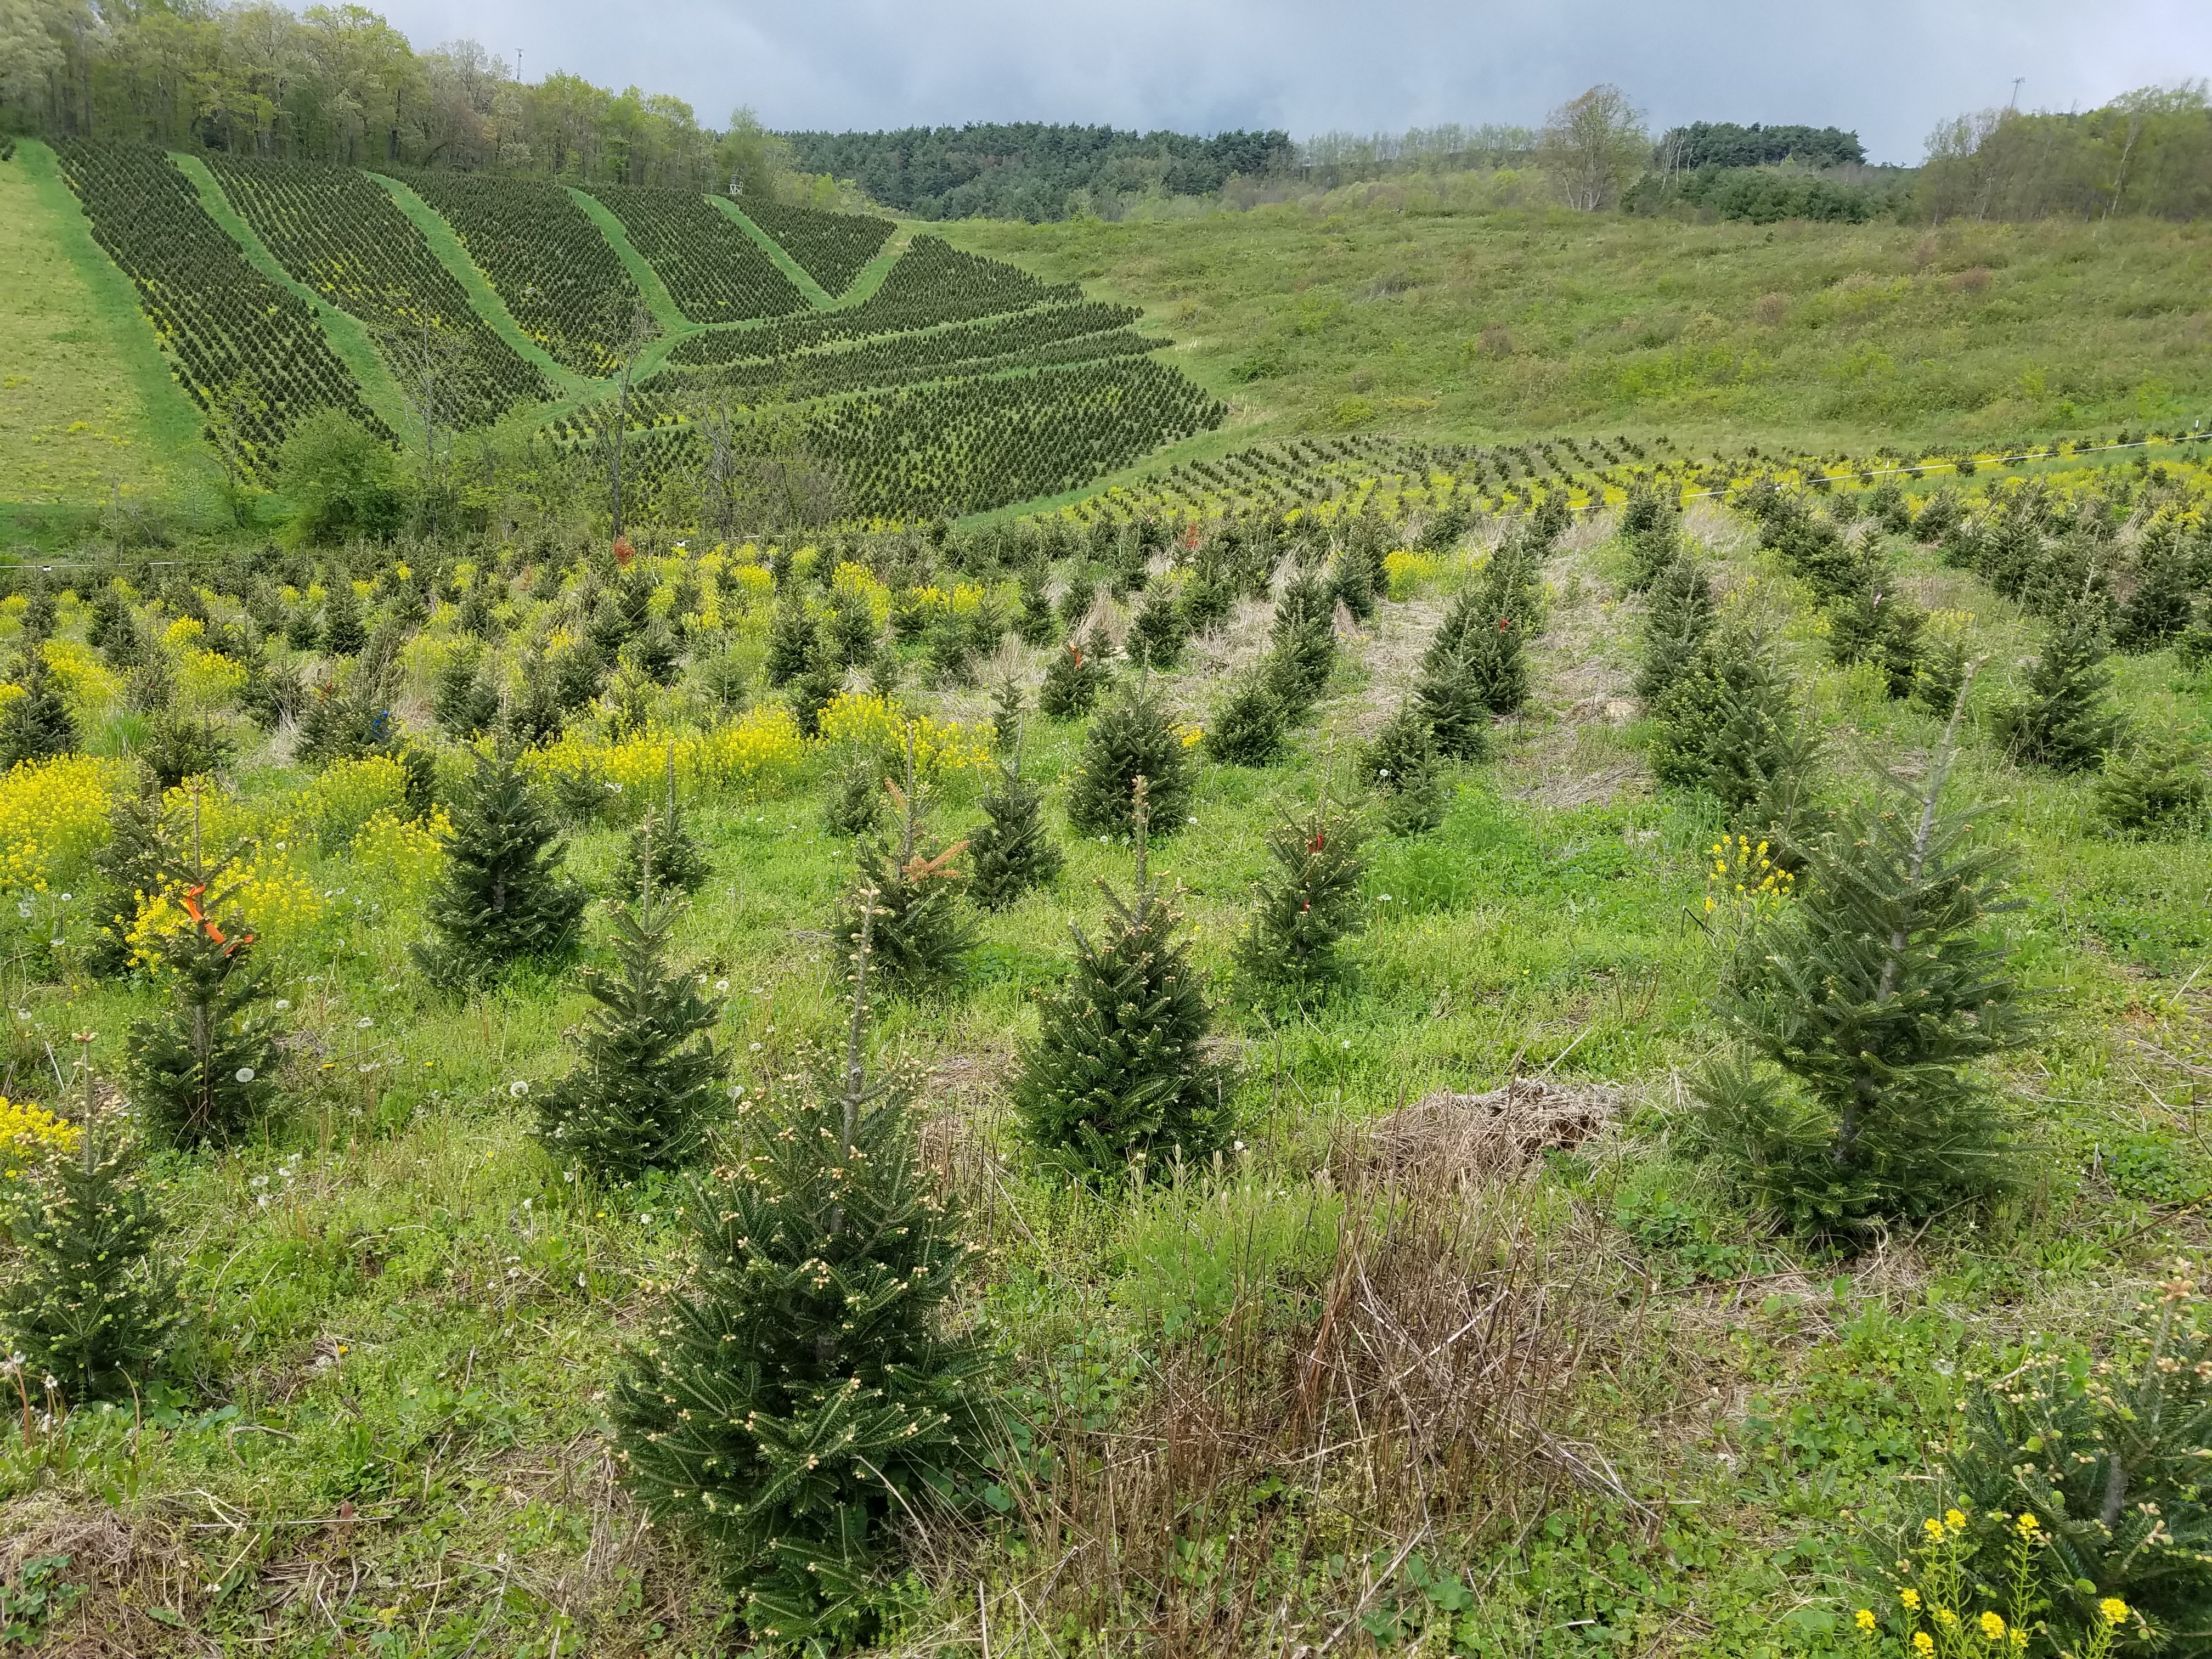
519, 1088
363, 1023
282, 1005
246, 1074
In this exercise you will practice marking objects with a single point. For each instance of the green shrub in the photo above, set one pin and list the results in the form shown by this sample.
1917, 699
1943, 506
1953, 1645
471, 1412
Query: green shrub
1400, 763
1249, 728
502, 895
920, 933
1119, 1070
1072, 681
2107, 1454
2062, 717
1012, 851
1131, 738
341, 480
1306, 906
1677, 621
37, 725
202, 1067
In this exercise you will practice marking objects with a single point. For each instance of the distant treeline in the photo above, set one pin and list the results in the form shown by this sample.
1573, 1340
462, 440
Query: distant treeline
1725, 144
339, 84
2149, 153
1031, 170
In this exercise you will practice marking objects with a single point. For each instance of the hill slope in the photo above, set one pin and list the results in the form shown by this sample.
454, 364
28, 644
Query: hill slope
1513, 323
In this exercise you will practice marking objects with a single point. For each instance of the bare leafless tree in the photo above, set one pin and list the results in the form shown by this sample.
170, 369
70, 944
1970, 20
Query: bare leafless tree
611, 432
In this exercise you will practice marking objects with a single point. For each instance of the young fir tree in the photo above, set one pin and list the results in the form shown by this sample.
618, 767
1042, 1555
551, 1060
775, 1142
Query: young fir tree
1677, 620
86, 1298
126, 868
1159, 633
1132, 738
799, 1397
921, 934
2062, 718
503, 896
1301, 646
1942, 670
794, 639
1730, 727
2156, 789
662, 845
35, 724
466, 701
1652, 526
1249, 729
854, 806
1880, 626
1035, 624
1859, 1013
1306, 906
647, 1076
2164, 600
1119, 1069
1072, 681
1402, 766
1012, 851
202, 1067
1448, 698
342, 632
1075, 603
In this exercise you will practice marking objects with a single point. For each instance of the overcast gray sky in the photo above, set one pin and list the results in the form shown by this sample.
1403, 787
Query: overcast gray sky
1890, 68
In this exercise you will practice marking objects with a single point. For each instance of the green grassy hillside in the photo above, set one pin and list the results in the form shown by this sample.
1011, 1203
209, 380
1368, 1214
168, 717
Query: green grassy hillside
1516, 323
86, 404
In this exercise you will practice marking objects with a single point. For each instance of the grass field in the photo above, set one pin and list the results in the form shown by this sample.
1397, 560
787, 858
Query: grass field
383, 1432
87, 404
1513, 323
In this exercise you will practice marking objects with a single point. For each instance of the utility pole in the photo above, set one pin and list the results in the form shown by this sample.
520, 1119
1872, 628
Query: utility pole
517, 66
2016, 80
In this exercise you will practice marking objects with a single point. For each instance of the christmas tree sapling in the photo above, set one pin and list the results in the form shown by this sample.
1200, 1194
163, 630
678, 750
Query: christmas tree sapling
1119, 1070
86, 1298
1859, 1014
202, 1067
1132, 738
800, 1395
660, 842
503, 896
647, 1076
1306, 906
1014, 851
921, 933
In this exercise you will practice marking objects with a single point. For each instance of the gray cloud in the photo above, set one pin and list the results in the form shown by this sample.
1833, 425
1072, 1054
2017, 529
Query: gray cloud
1891, 69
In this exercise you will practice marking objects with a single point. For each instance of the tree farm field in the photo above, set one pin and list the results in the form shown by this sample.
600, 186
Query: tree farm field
1383, 311
383, 1423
